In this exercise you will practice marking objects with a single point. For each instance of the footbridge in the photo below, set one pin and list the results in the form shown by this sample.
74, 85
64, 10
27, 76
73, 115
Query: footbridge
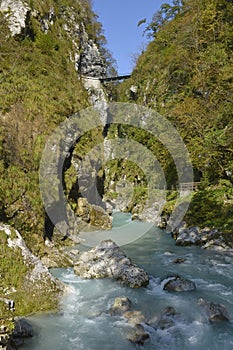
115, 78
95, 82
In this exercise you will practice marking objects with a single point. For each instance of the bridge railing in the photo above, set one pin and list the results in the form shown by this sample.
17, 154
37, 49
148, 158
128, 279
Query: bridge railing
189, 186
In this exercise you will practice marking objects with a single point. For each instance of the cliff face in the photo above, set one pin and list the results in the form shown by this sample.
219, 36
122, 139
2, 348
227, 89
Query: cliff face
84, 52
16, 13
45, 49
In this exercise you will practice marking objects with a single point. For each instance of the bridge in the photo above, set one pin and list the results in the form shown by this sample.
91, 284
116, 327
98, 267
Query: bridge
95, 82
115, 78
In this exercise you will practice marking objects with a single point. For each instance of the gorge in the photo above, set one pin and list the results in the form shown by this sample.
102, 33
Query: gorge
84, 159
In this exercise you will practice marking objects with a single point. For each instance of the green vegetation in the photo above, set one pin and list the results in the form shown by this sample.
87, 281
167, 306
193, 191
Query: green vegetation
213, 207
29, 297
39, 89
186, 74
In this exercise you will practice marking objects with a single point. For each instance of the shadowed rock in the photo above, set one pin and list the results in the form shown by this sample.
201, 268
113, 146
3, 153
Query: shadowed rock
138, 335
179, 284
214, 312
165, 320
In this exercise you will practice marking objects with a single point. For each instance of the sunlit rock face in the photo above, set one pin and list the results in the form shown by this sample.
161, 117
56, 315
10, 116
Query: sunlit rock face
86, 55
108, 260
16, 12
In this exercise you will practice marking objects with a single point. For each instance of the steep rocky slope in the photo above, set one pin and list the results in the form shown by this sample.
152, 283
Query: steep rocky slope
46, 50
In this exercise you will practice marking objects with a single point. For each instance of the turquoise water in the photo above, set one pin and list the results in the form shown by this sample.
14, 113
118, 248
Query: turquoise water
84, 323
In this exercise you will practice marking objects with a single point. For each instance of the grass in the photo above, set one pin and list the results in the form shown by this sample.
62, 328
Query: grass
30, 296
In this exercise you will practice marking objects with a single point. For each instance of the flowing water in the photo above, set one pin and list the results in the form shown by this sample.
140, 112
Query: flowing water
84, 322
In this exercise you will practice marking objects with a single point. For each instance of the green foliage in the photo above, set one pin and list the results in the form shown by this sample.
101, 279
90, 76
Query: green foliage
29, 297
186, 74
13, 269
39, 89
213, 207
161, 17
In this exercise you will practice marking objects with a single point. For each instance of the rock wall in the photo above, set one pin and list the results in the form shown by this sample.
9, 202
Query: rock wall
85, 53
16, 12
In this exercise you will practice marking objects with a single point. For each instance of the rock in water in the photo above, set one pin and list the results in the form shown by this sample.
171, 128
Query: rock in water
120, 306
134, 317
138, 335
21, 331
215, 312
93, 214
99, 217
165, 320
179, 284
108, 260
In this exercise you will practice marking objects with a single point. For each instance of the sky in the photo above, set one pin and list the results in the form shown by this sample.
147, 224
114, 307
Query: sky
119, 19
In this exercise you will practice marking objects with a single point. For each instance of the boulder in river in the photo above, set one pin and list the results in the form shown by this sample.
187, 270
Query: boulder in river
21, 331
178, 284
93, 214
205, 237
134, 317
165, 320
138, 335
215, 312
120, 306
108, 260
179, 260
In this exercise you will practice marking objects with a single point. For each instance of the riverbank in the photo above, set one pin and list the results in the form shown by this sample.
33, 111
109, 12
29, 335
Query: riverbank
26, 286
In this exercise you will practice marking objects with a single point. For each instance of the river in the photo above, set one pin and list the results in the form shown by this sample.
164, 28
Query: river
83, 321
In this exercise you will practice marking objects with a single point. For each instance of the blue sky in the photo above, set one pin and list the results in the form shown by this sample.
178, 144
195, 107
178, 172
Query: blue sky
119, 19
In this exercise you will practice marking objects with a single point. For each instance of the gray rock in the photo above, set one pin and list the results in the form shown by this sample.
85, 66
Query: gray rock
138, 335
179, 284
21, 331
108, 260
165, 320
120, 306
134, 317
165, 323
169, 311
16, 16
187, 236
206, 238
215, 312
179, 260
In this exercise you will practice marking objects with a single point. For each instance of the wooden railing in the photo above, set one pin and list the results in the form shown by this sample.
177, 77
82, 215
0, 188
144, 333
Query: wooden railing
189, 186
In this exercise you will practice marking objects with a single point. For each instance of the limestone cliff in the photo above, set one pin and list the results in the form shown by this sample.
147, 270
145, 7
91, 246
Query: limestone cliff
84, 53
